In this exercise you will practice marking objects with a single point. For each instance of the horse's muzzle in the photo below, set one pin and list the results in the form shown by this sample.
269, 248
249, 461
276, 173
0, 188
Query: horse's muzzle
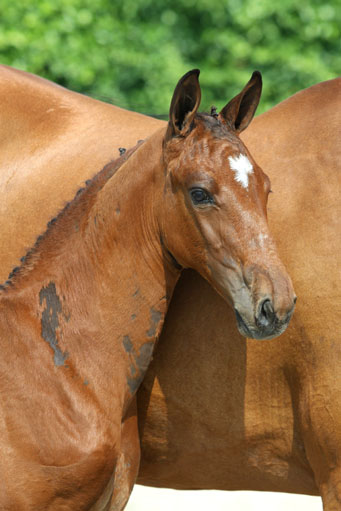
267, 324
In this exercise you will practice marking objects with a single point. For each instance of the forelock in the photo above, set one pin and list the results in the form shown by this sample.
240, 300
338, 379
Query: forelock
213, 124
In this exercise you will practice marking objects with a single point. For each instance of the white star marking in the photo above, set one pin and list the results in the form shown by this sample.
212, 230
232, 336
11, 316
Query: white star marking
242, 167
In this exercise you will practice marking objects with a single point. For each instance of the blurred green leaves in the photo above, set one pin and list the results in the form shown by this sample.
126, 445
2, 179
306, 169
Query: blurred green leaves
133, 52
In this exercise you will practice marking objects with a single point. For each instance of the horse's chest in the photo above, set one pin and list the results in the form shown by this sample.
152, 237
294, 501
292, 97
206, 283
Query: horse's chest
80, 486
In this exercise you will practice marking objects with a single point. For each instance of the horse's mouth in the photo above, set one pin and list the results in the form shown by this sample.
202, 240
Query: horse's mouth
259, 332
242, 327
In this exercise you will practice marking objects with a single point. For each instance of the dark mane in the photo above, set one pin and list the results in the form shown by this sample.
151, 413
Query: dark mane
84, 194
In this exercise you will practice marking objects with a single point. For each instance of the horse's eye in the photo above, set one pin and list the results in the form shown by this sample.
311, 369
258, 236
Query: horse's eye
200, 196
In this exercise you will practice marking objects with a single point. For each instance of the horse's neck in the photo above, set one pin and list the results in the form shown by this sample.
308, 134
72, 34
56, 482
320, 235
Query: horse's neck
105, 279
122, 227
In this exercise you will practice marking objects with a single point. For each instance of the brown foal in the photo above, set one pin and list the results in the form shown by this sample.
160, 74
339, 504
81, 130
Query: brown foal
80, 316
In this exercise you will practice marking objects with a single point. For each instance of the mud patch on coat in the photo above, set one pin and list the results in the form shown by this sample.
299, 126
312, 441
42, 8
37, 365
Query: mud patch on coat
50, 321
139, 362
155, 318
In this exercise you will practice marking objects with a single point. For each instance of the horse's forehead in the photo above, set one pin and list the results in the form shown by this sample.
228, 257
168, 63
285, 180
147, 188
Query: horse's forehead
222, 157
216, 141
216, 153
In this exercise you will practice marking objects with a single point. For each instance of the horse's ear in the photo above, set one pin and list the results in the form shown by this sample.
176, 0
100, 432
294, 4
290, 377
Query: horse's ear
184, 105
239, 112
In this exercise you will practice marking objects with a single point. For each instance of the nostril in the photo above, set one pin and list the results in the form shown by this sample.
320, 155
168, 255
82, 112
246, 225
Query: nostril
295, 300
266, 314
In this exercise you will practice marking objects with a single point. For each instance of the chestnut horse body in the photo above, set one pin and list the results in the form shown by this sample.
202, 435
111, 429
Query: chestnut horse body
81, 314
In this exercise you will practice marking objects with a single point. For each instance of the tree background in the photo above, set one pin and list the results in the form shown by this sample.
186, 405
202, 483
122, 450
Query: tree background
132, 52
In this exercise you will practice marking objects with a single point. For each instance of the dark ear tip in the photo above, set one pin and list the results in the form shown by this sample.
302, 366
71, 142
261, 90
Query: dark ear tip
195, 72
257, 75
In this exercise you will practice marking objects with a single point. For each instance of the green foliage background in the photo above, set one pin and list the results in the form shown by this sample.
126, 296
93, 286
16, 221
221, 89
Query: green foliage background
132, 52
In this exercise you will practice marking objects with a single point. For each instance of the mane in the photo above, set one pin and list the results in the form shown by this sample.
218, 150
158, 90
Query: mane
87, 195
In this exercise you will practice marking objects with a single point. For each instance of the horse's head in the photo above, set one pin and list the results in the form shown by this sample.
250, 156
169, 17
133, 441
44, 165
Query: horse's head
215, 199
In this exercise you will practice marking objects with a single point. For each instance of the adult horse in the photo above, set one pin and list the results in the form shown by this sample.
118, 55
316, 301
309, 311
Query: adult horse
80, 315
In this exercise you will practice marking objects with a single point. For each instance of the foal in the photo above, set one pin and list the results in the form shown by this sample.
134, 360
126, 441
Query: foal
80, 317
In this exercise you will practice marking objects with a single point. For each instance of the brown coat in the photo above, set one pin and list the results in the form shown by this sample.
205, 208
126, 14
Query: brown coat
223, 412
81, 313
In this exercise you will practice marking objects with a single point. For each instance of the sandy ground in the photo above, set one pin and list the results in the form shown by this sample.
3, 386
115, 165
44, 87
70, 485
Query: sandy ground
155, 499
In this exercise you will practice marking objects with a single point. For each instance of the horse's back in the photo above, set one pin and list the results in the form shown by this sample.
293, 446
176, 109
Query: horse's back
41, 111
51, 141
